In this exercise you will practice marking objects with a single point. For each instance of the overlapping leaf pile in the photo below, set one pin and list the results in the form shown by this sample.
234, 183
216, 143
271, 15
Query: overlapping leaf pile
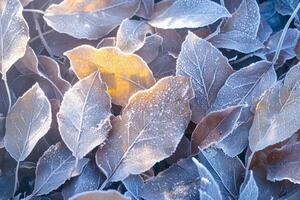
149, 99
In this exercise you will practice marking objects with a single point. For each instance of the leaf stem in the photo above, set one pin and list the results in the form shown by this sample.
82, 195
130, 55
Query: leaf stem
285, 29
16, 177
4, 78
34, 11
104, 184
249, 163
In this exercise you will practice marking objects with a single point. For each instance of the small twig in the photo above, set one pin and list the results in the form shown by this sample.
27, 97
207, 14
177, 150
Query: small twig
38, 36
34, 11
249, 163
242, 59
285, 29
38, 28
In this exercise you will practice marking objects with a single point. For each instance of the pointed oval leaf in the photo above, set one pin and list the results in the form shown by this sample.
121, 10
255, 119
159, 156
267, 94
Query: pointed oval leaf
208, 185
131, 35
246, 85
240, 31
84, 116
54, 168
14, 33
276, 113
89, 180
27, 122
134, 184
98, 195
124, 74
151, 48
283, 164
230, 170
188, 14
250, 190
90, 19
151, 126
28, 64
180, 181
208, 69
214, 127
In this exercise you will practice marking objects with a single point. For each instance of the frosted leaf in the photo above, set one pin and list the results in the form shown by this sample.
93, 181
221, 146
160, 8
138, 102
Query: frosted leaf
250, 190
246, 85
90, 19
28, 64
134, 184
229, 170
124, 73
146, 9
283, 163
84, 115
14, 33
54, 168
131, 35
208, 185
187, 14
49, 69
276, 113
89, 180
151, 126
151, 48
183, 150
99, 195
208, 69
27, 122
180, 181
25, 2
214, 127
107, 42
240, 31
6, 187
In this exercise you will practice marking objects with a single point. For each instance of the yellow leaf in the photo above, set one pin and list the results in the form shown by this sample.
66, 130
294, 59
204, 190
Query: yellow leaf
124, 74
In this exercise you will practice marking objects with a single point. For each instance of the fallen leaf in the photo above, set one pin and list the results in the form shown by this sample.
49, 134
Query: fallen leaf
275, 114
90, 19
84, 115
27, 122
151, 126
187, 14
14, 33
208, 69
214, 127
124, 74
250, 190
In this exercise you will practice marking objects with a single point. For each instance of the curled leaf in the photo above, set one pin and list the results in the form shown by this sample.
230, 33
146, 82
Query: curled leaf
84, 115
151, 126
99, 195
124, 74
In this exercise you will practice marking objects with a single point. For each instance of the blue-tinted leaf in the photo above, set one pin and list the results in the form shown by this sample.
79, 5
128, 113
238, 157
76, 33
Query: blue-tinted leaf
84, 115
183, 151
54, 168
131, 35
27, 122
134, 184
99, 195
208, 69
181, 181
151, 126
151, 48
250, 190
188, 14
208, 185
146, 9
276, 113
89, 180
230, 170
240, 31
